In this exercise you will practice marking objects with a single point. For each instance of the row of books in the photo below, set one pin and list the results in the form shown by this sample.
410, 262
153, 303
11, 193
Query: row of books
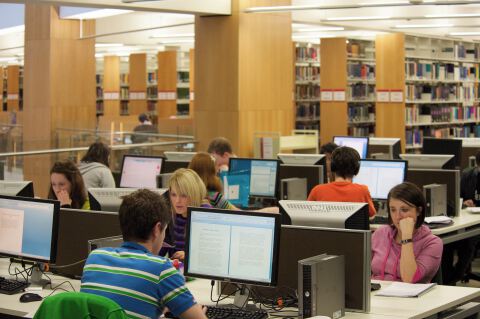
361, 131
307, 54
431, 114
427, 93
152, 77
360, 91
361, 71
124, 78
152, 92
361, 113
99, 92
461, 52
307, 73
304, 92
415, 136
124, 93
440, 71
124, 108
99, 79
183, 93
99, 107
307, 126
183, 77
360, 50
308, 110
444, 51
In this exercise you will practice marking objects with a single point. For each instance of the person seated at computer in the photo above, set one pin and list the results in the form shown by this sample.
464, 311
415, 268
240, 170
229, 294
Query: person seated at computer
185, 189
468, 183
345, 165
328, 149
94, 167
67, 186
133, 275
204, 165
221, 149
406, 250
143, 129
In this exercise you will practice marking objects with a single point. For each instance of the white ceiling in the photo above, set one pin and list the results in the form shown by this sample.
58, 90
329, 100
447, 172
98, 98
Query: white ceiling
135, 29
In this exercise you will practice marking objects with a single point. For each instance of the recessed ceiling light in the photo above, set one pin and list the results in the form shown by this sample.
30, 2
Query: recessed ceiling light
321, 29
420, 26
108, 45
359, 18
465, 33
453, 15
177, 35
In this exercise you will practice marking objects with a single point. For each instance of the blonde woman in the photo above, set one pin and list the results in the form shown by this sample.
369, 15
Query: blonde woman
186, 188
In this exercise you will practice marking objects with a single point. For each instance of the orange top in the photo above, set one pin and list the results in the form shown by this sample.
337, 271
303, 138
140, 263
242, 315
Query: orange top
343, 192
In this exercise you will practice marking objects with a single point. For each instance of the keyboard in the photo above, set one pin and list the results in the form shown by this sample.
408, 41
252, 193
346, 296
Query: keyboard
10, 287
219, 313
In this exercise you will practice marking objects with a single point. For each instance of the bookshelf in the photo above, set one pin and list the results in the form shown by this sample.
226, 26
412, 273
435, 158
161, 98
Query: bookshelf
192, 82
307, 86
183, 83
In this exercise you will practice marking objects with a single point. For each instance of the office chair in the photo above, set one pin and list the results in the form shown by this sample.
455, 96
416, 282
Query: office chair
79, 305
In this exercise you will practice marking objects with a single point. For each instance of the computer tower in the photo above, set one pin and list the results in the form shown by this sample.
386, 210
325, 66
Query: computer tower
436, 199
321, 286
293, 188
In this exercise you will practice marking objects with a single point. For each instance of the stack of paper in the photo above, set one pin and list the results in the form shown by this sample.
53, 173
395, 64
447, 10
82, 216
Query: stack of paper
402, 289
438, 220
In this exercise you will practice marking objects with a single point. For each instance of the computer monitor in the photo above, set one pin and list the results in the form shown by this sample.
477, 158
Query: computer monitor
313, 173
433, 145
381, 176
360, 144
262, 174
451, 178
325, 214
470, 147
140, 171
384, 147
179, 156
172, 166
110, 199
76, 228
17, 188
433, 161
29, 228
234, 246
301, 159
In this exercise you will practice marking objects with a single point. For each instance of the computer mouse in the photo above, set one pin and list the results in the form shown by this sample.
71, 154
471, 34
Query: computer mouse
29, 297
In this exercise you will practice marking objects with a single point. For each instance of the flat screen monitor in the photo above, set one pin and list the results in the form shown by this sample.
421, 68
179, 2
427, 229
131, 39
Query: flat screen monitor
110, 199
179, 156
76, 228
381, 176
261, 174
235, 246
360, 144
433, 161
172, 166
449, 146
389, 148
313, 173
451, 178
29, 228
140, 171
470, 147
17, 188
301, 159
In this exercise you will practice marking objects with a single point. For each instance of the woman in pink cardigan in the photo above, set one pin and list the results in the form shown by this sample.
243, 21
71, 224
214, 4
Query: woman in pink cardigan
405, 250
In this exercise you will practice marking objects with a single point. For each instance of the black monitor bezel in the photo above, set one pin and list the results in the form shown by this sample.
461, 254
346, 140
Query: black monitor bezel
355, 137
275, 192
385, 160
141, 156
449, 142
276, 245
54, 239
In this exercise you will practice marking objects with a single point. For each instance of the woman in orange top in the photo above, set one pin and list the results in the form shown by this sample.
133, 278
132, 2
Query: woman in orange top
345, 165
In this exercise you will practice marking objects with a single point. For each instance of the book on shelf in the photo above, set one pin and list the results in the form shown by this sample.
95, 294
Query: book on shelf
307, 92
307, 54
358, 70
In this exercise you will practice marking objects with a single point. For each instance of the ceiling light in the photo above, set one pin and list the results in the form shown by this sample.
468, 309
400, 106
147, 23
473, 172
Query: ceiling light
178, 35
10, 30
97, 14
453, 15
359, 18
177, 41
108, 45
8, 59
421, 26
465, 33
321, 29
313, 36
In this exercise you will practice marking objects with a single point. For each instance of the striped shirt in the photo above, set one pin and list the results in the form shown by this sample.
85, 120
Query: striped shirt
140, 282
217, 200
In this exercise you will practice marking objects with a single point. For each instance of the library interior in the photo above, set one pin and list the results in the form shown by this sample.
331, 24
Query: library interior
296, 158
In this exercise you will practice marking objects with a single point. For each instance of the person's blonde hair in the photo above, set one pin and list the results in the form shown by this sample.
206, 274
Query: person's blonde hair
186, 182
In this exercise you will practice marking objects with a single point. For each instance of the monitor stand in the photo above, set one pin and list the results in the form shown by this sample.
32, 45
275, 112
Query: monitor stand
36, 277
241, 298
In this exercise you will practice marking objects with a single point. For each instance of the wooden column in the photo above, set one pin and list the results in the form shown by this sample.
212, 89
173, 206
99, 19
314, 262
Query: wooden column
59, 84
138, 83
111, 87
243, 80
13, 88
333, 78
167, 84
390, 76
192, 82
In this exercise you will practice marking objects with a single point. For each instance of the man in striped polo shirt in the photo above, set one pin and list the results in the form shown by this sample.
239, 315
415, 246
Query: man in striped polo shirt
133, 275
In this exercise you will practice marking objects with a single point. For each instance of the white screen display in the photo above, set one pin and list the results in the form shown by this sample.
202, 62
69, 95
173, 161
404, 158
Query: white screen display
380, 176
231, 246
360, 144
140, 172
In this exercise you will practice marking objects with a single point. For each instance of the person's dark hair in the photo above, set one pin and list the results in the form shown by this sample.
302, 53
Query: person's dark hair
97, 152
220, 145
139, 212
477, 158
328, 148
204, 165
411, 195
345, 162
143, 117
78, 193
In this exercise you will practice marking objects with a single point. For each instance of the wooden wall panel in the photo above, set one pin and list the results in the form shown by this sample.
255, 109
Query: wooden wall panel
13, 87
137, 78
111, 84
192, 82
167, 83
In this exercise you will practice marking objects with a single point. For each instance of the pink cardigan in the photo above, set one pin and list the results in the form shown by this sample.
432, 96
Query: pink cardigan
427, 249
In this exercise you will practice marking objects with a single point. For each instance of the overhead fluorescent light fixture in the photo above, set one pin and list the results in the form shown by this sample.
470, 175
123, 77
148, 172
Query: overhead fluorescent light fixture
89, 13
423, 26
453, 15
359, 18
177, 35
320, 29
312, 36
184, 41
108, 45
471, 33
12, 30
